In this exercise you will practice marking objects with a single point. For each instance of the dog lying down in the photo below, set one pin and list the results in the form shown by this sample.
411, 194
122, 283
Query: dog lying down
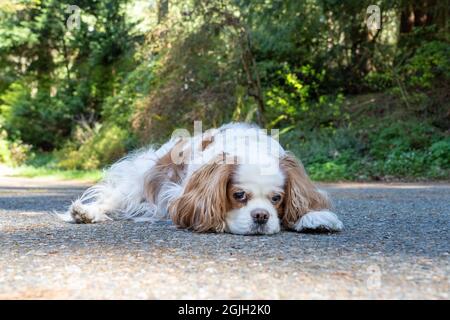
234, 179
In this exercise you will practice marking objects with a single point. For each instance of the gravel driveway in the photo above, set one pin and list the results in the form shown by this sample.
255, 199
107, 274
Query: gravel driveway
395, 245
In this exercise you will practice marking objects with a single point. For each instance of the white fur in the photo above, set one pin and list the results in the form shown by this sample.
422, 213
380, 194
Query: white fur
121, 192
249, 179
319, 220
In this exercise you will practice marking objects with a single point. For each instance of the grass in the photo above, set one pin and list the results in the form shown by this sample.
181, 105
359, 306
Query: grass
33, 172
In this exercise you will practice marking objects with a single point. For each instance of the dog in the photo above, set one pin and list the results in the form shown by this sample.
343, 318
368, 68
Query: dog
235, 179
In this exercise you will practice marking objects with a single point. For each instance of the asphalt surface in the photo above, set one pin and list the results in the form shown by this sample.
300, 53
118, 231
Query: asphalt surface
395, 245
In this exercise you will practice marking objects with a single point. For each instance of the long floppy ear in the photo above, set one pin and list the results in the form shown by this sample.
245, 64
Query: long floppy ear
203, 204
301, 196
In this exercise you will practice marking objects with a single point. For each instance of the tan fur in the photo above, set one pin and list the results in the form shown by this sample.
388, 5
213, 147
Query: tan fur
164, 170
208, 138
203, 205
301, 196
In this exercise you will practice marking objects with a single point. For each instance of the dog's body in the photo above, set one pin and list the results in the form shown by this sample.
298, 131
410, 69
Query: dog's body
233, 179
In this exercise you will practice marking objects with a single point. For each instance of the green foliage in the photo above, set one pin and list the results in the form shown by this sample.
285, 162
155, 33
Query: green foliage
376, 81
93, 148
297, 98
55, 76
5, 152
87, 96
403, 163
401, 137
404, 150
118, 109
430, 63
32, 172
198, 74
328, 171
439, 153
39, 121
321, 146
13, 152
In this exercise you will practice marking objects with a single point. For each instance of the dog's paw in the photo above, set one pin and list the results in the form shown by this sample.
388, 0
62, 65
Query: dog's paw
79, 214
317, 221
86, 214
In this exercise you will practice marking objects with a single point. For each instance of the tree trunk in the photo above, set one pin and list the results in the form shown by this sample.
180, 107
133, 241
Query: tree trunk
163, 10
422, 13
253, 79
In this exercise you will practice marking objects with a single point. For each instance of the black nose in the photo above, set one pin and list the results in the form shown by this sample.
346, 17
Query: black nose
260, 216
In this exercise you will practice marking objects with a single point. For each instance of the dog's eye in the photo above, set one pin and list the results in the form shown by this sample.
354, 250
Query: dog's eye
276, 198
240, 196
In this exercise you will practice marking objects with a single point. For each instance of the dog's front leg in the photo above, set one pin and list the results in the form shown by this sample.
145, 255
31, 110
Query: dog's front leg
90, 213
323, 220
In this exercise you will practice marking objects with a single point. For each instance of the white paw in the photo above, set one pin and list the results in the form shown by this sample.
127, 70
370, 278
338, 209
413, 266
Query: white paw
86, 214
319, 220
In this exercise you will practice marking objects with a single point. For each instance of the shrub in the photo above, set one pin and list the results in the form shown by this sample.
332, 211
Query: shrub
297, 98
324, 145
328, 171
404, 164
400, 150
97, 147
400, 137
5, 153
430, 63
440, 153
13, 152
378, 81
42, 121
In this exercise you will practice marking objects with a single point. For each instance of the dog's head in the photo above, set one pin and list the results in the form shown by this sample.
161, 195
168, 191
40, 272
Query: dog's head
242, 199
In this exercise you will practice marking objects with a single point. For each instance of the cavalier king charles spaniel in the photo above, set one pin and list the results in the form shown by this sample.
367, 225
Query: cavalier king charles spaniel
234, 179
